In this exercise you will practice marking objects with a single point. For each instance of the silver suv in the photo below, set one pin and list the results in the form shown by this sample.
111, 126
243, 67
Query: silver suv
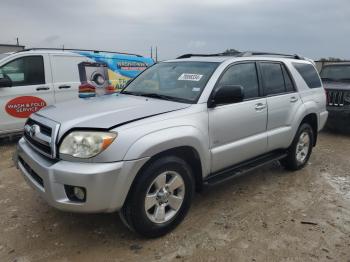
181, 124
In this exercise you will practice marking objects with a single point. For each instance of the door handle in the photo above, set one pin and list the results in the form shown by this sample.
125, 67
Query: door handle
260, 106
64, 87
42, 88
293, 99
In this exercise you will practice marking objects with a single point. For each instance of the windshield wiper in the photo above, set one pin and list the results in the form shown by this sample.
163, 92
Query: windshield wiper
130, 93
328, 79
344, 79
165, 97
155, 95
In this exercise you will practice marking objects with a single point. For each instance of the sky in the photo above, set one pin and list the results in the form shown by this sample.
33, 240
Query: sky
311, 28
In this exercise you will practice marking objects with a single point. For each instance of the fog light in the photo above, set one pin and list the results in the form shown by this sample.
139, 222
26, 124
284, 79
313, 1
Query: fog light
75, 193
79, 193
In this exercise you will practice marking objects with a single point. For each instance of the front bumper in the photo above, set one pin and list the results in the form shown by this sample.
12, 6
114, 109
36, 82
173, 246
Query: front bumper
339, 118
106, 184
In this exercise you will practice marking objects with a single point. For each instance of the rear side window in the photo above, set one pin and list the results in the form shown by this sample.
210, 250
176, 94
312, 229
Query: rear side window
309, 74
273, 81
28, 70
245, 75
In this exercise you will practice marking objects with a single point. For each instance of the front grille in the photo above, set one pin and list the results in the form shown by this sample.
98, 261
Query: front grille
40, 133
42, 147
31, 172
336, 98
44, 129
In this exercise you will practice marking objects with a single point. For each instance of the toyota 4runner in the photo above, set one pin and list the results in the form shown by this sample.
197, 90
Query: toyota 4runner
181, 124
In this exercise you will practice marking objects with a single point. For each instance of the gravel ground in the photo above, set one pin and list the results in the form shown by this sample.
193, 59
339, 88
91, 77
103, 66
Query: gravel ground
267, 215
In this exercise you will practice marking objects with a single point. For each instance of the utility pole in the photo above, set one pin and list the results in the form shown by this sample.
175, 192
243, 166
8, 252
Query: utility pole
156, 54
17, 40
152, 52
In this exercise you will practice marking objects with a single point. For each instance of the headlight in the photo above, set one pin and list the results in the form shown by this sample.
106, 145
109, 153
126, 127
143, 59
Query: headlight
86, 144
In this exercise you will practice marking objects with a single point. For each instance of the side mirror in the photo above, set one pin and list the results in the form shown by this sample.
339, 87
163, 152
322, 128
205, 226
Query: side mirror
5, 81
227, 94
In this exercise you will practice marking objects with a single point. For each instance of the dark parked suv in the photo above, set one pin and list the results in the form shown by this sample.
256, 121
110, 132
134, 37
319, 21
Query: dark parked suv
336, 81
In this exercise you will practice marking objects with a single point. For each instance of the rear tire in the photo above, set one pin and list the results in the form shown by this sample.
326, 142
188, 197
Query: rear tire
300, 150
160, 197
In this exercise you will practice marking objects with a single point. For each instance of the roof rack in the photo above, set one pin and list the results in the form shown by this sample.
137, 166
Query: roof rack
243, 54
73, 49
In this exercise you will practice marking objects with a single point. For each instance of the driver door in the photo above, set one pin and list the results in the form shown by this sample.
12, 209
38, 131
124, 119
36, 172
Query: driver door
28, 90
238, 131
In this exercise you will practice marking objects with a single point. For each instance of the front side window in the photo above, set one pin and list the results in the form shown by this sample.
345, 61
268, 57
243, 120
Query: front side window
28, 70
309, 74
177, 81
244, 75
273, 81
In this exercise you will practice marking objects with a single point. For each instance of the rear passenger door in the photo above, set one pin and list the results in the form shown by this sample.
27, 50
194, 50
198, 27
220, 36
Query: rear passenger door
31, 90
282, 102
238, 131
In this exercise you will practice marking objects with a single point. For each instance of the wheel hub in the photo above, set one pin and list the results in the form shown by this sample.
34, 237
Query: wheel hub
302, 148
164, 197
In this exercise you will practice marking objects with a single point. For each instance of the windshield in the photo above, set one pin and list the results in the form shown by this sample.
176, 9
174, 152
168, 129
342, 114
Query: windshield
336, 72
178, 81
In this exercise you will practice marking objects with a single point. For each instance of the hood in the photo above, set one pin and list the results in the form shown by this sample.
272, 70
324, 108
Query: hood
107, 111
332, 85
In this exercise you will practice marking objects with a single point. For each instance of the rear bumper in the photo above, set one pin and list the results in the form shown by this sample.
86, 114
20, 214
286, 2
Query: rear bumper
106, 184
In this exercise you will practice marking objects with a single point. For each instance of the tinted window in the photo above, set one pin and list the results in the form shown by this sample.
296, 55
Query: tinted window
273, 80
244, 75
287, 80
309, 74
27, 70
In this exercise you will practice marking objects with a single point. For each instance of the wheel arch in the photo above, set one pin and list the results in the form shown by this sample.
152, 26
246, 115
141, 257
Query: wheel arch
312, 120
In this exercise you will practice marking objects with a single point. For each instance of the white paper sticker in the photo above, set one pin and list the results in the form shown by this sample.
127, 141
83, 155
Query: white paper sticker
190, 77
196, 89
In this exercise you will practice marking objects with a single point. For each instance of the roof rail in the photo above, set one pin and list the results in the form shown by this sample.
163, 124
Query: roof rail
254, 53
73, 49
203, 55
244, 54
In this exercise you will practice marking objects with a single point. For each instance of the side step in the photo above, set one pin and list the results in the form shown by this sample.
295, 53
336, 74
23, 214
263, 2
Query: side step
244, 167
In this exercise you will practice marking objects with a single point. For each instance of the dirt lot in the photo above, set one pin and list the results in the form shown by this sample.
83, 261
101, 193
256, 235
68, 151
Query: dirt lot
268, 215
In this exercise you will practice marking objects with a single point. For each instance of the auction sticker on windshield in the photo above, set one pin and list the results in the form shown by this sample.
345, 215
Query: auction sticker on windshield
24, 106
190, 77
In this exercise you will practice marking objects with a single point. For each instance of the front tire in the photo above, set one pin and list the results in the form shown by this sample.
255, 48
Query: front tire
160, 197
300, 150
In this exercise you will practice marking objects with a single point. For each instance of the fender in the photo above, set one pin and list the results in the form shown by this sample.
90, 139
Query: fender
169, 138
308, 107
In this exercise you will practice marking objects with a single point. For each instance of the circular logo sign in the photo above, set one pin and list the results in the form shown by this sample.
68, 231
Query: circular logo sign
24, 106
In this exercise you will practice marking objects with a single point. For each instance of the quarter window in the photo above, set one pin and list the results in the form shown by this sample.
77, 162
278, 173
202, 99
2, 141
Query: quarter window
273, 81
28, 70
244, 75
309, 74
287, 80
